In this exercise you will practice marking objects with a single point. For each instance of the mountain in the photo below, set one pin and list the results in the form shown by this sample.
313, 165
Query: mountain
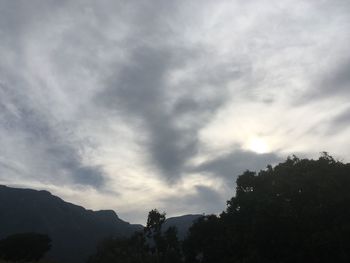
74, 231
182, 223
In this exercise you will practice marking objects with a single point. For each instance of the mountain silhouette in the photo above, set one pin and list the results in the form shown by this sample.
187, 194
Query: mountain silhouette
74, 230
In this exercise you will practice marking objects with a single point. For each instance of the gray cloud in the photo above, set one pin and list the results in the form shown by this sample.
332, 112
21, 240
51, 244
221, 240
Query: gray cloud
334, 83
208, 197
339, 123
50, 155
140, 91
18, 16
340, 80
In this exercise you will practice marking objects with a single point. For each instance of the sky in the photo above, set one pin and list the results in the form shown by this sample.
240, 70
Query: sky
134, 105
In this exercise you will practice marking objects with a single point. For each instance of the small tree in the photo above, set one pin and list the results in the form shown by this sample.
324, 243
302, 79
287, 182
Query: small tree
153, 229
165, 245
154, 221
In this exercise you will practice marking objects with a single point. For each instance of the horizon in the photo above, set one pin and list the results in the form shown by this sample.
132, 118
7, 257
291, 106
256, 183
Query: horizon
87, 209
135, 105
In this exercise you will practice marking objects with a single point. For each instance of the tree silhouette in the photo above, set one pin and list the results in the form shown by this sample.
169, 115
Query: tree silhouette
172, 249
149, 246
153, 231
206, 241
298, 211
128, 250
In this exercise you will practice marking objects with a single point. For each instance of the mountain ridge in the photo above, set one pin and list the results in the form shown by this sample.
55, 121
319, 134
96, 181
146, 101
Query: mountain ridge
74, 230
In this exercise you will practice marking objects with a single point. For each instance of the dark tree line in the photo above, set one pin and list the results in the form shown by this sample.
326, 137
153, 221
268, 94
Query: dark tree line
297, 211
24, 247
150, 246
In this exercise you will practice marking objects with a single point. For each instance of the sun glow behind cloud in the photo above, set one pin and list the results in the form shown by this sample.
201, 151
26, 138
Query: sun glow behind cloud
258, 145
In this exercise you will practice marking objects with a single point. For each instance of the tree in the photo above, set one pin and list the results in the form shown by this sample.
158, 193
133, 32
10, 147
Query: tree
172, 251
149, 246
155, 220
24, 247
297, 211
125, 250
153, 229
206, 241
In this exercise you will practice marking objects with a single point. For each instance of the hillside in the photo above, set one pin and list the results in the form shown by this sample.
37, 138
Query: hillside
74, 230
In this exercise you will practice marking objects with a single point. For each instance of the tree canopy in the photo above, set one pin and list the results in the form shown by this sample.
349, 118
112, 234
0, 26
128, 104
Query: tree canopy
298, 211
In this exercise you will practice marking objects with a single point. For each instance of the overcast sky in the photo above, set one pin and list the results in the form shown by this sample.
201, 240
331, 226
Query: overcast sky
134, 105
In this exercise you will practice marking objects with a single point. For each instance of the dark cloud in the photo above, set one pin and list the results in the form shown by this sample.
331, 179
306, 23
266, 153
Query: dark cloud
337, 82
333, 83
339, 123
231, 165
140, 91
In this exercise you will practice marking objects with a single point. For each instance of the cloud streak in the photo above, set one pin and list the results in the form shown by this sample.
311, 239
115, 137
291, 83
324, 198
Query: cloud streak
38, 145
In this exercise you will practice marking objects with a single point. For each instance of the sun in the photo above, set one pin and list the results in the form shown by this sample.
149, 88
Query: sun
258, 145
